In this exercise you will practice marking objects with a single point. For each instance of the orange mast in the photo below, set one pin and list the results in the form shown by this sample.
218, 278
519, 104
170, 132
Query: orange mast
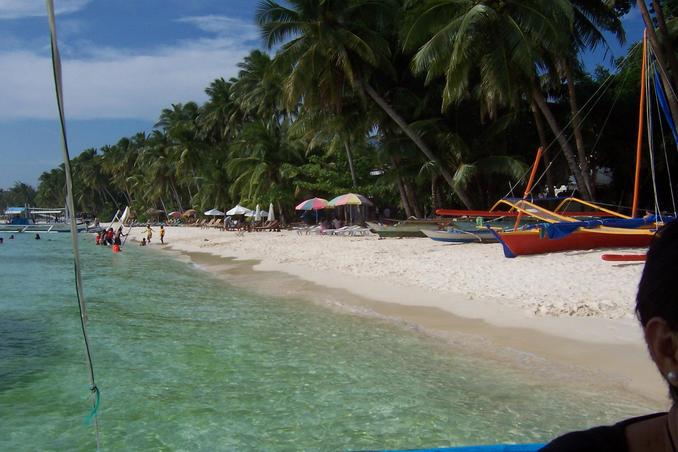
641, 124
528, 187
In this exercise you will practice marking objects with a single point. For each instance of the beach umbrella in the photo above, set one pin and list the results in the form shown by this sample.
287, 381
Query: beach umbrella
257, 213
271, 213
312, 204
239, 210
214, 213
190, 213
350, 199
175, 214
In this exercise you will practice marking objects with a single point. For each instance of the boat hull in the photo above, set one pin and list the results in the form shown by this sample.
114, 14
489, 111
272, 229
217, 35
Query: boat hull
462, 236
404, 229
38, 227
528, 242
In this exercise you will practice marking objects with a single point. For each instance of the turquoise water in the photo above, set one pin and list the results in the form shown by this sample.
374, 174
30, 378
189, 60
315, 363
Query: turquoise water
186, 362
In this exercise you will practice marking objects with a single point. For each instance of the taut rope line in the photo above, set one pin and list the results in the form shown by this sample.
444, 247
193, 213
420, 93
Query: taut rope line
56, 68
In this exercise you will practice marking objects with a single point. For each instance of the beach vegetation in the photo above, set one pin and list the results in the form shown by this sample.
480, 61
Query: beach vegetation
416, 104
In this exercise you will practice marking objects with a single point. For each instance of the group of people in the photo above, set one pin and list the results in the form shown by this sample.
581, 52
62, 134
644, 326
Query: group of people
109, 237
149, 235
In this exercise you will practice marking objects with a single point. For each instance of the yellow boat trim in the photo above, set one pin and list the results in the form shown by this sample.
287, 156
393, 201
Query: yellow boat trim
567, 201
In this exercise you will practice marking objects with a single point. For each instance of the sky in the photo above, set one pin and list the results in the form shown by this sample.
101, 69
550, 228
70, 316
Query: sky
123, 62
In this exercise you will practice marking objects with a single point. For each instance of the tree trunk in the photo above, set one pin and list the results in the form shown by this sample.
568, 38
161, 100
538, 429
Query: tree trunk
409, 191
666, 39
350, 163
538, 98
177, 198
401, 189
436, 201
661, 60
283, 223
416, 139
576, 126
539, 123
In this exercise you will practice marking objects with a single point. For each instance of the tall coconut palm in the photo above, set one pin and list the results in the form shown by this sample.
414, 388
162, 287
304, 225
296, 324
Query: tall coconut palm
258, 162
494, 49
591, 21
333, 46
180, 126
219, 115
258, 87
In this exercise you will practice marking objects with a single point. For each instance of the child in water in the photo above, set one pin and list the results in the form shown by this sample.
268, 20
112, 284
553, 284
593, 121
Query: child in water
143, 242
149, 233
162, 234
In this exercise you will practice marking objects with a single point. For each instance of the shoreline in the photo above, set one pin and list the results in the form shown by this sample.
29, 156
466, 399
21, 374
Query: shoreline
607, 351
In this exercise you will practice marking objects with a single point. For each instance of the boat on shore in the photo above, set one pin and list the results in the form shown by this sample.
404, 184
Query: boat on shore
454, 235
556, 232
406, 228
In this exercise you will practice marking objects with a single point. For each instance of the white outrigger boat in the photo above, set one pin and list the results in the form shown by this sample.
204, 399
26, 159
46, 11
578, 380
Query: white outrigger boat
35, 219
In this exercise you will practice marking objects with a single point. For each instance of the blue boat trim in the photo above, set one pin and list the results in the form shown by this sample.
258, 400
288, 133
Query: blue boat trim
492, 448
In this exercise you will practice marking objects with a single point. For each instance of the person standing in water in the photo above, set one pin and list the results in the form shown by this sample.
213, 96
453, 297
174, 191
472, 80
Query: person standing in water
149, 233
162, 234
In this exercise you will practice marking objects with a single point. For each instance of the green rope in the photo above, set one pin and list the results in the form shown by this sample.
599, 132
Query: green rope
95, 408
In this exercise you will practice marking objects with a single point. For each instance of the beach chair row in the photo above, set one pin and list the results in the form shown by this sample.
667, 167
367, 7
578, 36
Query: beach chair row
346, 231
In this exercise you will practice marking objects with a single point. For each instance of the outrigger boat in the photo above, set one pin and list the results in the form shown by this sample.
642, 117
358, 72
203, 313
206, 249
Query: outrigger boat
406, 228
557, 232
560, 233
454, 235
475, 226
35, 219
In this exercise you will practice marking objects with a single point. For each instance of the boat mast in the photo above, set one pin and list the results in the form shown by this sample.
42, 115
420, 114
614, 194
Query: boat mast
641, 125
528, 187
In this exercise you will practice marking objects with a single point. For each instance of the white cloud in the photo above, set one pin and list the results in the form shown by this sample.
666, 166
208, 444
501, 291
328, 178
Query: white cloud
15, 9
223, 26
110, 83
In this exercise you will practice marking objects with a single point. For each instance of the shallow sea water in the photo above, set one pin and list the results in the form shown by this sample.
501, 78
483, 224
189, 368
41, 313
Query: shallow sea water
185, 361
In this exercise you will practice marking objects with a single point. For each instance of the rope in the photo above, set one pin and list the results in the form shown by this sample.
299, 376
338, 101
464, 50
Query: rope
56, 69
666, 157
650, 141
596, 95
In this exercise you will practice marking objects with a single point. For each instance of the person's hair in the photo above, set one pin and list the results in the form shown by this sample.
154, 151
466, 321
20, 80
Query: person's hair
657, 294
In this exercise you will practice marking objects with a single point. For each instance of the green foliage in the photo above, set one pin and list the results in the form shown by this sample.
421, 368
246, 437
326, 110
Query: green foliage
297, 124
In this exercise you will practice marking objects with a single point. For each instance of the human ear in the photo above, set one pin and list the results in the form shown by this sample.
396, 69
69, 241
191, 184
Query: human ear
662, 343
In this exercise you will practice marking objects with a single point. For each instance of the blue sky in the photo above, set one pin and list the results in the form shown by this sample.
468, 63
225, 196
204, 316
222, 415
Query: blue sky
123, 61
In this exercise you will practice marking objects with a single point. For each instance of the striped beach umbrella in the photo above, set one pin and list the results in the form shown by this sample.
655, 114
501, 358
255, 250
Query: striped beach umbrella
350, 199
312, 204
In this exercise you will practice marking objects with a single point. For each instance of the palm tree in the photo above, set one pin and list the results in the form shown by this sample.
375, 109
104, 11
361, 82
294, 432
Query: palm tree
51, 188
497, 45
333, 46
219, 114
180, 126
258, 87
340, 132
260, 164
592, 19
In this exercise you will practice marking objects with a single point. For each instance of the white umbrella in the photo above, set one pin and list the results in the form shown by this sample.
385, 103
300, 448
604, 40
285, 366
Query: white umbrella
239, 210
214, 213
271, 213
257, 213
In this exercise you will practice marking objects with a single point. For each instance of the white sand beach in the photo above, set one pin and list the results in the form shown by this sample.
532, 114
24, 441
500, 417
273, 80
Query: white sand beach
571, 308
